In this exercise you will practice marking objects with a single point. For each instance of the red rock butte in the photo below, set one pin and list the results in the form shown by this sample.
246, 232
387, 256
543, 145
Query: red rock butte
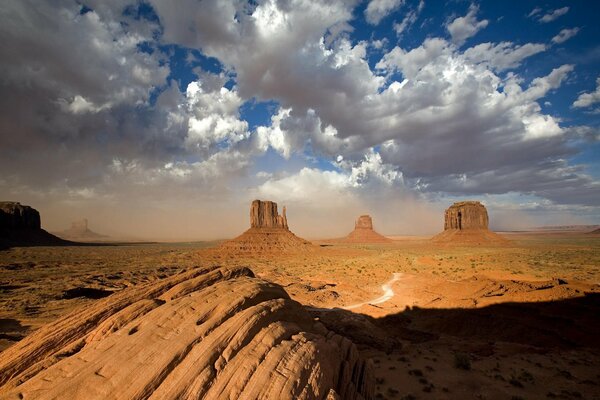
364, 233
467, 222
269, 232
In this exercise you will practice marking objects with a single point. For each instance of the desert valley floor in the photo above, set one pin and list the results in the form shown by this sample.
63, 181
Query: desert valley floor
514, 320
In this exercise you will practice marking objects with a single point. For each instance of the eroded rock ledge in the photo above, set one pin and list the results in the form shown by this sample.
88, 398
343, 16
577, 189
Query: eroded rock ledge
207, 333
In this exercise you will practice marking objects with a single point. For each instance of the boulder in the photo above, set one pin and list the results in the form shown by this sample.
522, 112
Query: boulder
210, 333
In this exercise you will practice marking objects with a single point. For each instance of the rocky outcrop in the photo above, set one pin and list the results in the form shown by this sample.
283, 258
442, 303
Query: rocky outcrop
467, 222
269, 232
466, 215
263, 214
21, 226
364, 233
13, 215
210, 333
80, 231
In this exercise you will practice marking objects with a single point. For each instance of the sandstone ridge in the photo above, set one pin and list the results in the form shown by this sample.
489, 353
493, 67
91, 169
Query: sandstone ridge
21, 226
269, 232
467, 222
364, 233
209, 333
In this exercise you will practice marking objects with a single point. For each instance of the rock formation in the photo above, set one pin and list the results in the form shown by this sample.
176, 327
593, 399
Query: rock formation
467, 222
466, 215
210, 333
21, 226
79, 231
363, 232
269, 232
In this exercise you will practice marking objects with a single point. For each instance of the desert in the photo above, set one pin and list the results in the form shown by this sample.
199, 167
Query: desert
493, 319
299, 200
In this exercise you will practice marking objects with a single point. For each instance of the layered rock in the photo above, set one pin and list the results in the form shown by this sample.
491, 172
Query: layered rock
209, 333
364, 233
80, 231
466, 215
21, 226
263, 214
467, 222
269, 232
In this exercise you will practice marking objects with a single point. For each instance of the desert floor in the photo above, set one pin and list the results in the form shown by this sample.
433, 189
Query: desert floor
519, 320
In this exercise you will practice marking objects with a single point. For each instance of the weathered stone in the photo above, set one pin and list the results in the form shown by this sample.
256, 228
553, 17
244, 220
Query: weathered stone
13, 215
364, 222
263, 214
466, 215
210, 333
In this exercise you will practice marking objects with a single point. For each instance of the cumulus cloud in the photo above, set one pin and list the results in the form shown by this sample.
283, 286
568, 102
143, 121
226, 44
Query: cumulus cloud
378, 9
565, 35
462, 28
588, 99
504, 55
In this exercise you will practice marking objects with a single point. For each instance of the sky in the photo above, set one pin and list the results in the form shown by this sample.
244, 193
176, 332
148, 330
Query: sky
164, 120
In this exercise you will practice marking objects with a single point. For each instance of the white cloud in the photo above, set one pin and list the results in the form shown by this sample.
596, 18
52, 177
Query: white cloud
503, 55
462, 28
551, 16
378, 9
534, 12
410, 18
588, 99
565, 35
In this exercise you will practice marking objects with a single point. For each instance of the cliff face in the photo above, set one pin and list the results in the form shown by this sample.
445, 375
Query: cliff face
210, 333
263, 214
13, 215
364, 222
466, 215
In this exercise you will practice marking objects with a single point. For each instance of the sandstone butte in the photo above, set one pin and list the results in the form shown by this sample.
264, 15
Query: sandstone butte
21, 226
210, 333
467, 222
79, 230
269, 232
364, 233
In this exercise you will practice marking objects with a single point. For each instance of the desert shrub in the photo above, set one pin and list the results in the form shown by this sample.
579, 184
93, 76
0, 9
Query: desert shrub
462, 361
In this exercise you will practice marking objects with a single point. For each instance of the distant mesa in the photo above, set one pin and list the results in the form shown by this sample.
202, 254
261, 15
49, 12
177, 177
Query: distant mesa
364, 233
269, 232
595, 232
467, 222
80, 231
21, 226
206, 333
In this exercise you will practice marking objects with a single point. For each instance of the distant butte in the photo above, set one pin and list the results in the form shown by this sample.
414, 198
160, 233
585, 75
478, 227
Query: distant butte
364, 233
269, 232
467, 222
21, 226
80, 231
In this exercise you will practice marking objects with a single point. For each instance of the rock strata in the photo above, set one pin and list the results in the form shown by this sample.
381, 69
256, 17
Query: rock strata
209, 333
364, 233
269, 232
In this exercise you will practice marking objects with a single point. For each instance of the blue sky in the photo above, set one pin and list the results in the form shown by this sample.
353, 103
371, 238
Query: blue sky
153, 115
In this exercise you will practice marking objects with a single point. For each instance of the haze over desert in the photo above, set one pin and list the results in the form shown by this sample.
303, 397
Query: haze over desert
293, 199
